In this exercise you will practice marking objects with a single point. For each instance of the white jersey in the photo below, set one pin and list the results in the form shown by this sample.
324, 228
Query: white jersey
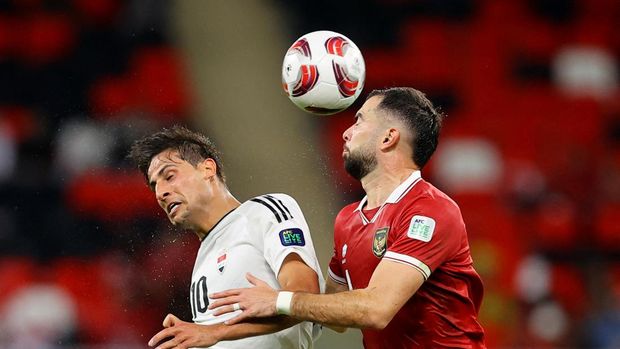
255, 237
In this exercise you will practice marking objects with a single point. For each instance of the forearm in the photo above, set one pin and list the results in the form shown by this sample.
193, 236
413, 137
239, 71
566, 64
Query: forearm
357, 308
253, 327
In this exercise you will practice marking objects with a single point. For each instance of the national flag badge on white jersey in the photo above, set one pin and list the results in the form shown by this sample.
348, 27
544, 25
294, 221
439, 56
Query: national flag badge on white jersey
421, 228
221, 261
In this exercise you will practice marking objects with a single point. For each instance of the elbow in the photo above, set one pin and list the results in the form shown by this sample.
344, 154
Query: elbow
378, 320
307, 286
375, 312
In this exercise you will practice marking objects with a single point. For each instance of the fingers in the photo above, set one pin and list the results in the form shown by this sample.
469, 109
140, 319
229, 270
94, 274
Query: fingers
159, 337
170, 320
226, 309
224, 301
227, 293
255, 281
171, 344
252, 279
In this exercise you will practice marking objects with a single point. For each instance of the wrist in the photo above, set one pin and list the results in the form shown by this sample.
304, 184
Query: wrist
218, 332
284, 302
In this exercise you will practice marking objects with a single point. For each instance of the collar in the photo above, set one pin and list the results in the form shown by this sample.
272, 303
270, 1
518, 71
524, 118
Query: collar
398, 193
217, 224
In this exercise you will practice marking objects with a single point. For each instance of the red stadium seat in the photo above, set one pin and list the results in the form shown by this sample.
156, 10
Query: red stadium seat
20, 122
159, 80
556, 223
568, 287
98, 309
15, 273
98, 12
488, 220
44, 38
430, 53
111, 96
102, 195
607, 228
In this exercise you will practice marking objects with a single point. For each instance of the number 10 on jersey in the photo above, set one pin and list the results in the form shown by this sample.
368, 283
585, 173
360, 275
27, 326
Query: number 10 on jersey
198, 295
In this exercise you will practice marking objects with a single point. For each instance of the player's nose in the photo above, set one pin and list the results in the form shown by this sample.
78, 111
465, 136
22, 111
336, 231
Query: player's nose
346, 135
161, 193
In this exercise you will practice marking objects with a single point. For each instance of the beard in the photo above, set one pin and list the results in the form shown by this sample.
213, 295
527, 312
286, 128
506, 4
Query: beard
359, 163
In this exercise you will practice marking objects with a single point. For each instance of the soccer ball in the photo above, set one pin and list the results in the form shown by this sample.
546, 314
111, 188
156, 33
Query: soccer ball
323, 72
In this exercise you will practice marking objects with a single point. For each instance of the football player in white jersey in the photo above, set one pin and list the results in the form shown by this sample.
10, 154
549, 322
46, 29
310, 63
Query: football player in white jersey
266, 236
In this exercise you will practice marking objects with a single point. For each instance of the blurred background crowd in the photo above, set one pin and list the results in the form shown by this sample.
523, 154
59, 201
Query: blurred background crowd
530, 151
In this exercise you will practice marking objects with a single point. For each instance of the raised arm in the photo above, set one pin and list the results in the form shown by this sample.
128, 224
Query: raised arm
391, 285
294, 275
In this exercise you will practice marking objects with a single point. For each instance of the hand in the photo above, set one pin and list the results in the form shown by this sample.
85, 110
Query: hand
257, 301
182, 335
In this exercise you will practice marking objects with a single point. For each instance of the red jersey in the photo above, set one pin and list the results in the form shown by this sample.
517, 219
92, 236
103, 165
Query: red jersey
421, 227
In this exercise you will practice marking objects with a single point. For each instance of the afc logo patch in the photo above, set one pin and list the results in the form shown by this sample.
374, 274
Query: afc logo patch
379, 243
421, 228
292, 237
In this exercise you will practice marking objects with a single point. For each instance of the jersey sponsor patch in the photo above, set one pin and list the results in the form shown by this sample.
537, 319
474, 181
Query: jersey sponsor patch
421, 228
292, 237
379, 243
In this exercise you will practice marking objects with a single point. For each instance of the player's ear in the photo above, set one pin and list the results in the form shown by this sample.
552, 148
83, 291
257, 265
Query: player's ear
390, 138
209, 167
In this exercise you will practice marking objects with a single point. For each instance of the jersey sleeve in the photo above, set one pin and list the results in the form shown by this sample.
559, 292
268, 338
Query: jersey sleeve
334, 270
427, 235
286, 232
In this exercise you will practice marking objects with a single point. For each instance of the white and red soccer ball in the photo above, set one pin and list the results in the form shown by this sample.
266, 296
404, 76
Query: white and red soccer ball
323, 72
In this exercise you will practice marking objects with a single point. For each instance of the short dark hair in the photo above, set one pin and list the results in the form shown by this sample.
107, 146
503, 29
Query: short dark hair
193, 147
418, 113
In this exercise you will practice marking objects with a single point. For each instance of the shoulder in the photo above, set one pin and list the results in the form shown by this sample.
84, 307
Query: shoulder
275, 206
424, 193
348, 210
427, 200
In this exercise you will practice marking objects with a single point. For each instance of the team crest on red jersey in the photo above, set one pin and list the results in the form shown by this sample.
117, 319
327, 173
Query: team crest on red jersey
379, 243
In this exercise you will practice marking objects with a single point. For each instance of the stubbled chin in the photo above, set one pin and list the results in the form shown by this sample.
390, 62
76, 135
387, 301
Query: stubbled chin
179, 220
174, 219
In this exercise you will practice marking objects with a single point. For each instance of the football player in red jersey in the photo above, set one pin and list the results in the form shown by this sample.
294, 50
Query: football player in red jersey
402, 269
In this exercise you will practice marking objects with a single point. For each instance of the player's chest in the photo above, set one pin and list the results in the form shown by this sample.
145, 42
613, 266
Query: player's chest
219, 268
225, 262
361, 248
367, 239
366, 242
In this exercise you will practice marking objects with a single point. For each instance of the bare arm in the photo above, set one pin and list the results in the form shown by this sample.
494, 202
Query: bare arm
391, 285
182, 334
333, 287
294, 275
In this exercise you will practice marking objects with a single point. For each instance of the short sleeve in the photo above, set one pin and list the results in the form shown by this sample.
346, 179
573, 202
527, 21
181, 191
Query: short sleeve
428, 235
335, 270
287, 232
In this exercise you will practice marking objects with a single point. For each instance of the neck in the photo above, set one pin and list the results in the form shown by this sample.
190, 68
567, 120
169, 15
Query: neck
214, 211
381, 182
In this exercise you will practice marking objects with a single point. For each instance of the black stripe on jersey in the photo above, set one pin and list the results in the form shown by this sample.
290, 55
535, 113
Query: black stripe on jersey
273, 201
281, 204
269, 207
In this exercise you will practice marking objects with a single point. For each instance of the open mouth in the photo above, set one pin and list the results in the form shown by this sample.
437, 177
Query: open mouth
172, 207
